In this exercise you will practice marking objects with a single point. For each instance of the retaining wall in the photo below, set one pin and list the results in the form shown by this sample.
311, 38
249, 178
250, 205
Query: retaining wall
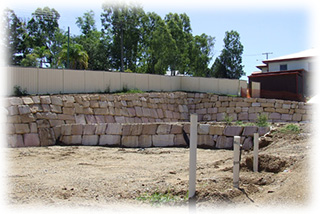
32, 119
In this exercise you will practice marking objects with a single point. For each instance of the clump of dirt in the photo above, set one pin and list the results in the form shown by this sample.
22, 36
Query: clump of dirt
267, 163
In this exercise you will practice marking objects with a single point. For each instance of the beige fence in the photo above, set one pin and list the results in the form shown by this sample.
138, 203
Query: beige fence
52, 81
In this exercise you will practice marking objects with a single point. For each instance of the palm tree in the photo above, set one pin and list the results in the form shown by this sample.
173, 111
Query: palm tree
78, 57
43, 53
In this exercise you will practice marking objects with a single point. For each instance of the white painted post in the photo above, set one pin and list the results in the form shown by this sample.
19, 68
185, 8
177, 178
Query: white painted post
255, 151
236, 161
193, 154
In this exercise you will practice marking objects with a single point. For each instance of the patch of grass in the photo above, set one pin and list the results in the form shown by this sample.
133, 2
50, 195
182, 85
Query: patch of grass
290, 129
158, 198
262, 120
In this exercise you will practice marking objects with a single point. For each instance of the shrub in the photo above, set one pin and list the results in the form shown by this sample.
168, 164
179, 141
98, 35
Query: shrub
262, 120
18, 91
290, 128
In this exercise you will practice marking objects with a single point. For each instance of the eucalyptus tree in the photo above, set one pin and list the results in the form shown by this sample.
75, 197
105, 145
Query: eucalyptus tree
229, 63
122, 23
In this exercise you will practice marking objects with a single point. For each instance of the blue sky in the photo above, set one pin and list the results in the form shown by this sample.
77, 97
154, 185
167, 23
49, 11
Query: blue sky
271, 26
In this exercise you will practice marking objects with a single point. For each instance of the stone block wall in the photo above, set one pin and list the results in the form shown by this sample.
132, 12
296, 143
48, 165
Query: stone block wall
137, 135
32, 120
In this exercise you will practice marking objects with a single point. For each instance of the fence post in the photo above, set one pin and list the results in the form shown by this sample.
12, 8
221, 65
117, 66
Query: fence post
236, 161
255, 151
193, 154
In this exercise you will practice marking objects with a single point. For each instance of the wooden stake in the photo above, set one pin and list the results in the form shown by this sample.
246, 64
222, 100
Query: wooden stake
236, 161
193, 155
255, 151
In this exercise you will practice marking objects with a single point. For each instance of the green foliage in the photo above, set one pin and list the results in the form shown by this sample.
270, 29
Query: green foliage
290, 129
227, 119
228, 64
262, 120
167, 198
18, 91
78, 57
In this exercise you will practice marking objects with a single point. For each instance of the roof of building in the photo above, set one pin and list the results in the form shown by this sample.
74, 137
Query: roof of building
300, 55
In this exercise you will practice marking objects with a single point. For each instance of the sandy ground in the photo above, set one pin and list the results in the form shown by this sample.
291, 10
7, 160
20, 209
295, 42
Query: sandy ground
99, 176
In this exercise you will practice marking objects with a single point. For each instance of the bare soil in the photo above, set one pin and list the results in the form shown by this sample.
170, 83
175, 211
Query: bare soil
77, 176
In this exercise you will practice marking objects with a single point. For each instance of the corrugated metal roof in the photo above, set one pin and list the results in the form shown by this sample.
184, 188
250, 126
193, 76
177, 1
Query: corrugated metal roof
303, 54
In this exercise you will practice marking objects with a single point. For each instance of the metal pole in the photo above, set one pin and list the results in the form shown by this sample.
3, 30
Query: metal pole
193, 155
68, 62
122, 62
236, 161
255, 151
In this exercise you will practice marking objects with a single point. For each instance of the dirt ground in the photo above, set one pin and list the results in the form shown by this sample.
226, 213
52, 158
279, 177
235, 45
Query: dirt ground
77, 176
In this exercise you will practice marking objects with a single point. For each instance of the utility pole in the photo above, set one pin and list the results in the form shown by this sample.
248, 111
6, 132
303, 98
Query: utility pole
68, 62
267, 54
122, 63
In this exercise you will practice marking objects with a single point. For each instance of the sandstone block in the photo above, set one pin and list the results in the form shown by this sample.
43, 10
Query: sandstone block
179, 140
164, 129
27, 118
271, 105
203, 129
101, 129
68, 110
56, 109
286, 117
286, 106
100, 119
120, 119
224, 142
250, 130
80, 119
114, 129
36, 99
176, 129
216, 130
27, 100
130, 141
110, 119
183, 108
232, 130
87, 110
78, 108
296, 117
71, 139
149, 129
90, 119
65, 129
46, 107
145, 141
12, 110
22, 128
43, 123
15, 101
220, 116
45, 99
76, 129
186, 128
163, 140
263, 130
90, 140
47, 137
54, 123
109, 140
31, 139
274, 116
56, 101
89, 129
205, 141
243, 116
15, 141
24, 109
